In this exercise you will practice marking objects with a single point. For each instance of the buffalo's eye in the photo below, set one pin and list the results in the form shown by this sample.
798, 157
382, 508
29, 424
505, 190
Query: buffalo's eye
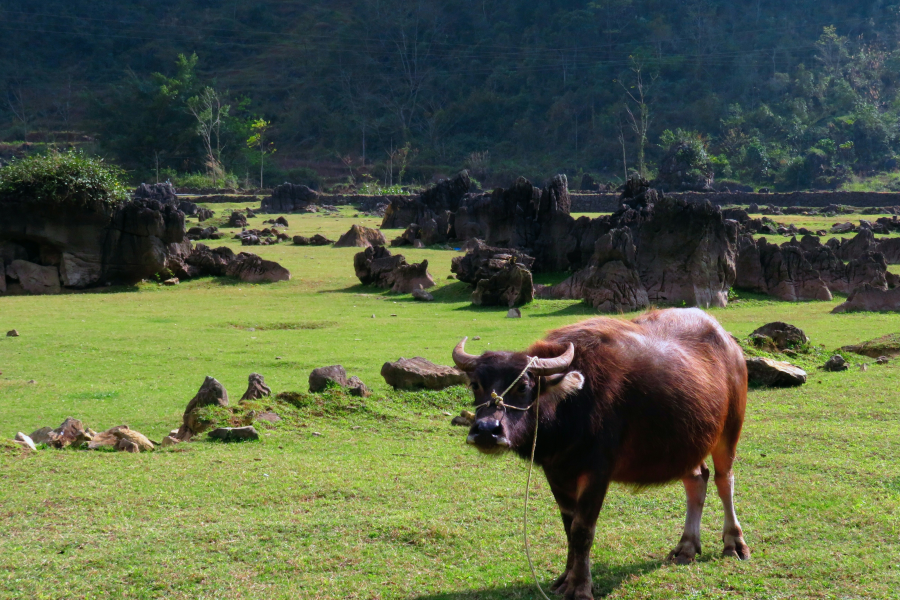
522, 387
474, 386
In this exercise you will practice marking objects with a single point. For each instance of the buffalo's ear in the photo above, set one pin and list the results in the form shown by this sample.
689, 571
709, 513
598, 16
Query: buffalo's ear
558, 387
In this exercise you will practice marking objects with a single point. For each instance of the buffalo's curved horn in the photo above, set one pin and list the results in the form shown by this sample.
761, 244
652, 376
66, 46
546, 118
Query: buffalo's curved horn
463, 360
551, 366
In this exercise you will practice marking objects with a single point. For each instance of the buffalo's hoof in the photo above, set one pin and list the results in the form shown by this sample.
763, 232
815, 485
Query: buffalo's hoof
736, 547
684, 553
559, 586
579, 592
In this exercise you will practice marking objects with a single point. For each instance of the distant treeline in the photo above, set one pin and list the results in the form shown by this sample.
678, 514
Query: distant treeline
787, 94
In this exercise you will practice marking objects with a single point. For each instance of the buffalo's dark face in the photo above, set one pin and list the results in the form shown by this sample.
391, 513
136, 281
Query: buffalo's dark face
497, 427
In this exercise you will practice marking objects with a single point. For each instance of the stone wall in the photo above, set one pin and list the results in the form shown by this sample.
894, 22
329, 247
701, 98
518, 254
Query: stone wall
586, 202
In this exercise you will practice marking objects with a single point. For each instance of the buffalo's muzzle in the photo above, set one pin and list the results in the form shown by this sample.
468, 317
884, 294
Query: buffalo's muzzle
487, 435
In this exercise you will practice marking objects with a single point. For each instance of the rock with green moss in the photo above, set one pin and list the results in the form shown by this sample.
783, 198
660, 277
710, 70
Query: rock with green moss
205, 410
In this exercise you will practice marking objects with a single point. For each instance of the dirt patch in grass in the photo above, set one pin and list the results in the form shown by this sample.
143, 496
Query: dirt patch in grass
887, 345
287, 325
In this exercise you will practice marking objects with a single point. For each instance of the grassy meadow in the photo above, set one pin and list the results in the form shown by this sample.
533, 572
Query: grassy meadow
380, 498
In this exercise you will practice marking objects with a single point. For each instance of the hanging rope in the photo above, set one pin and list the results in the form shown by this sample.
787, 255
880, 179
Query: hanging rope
497, 400
537, 416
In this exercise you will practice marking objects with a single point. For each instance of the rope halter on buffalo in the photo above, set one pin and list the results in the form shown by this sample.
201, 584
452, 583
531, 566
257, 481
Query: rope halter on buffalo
497, 400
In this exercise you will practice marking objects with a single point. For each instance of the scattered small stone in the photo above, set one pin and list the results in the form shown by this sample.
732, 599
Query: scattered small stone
477, 337
268, 417
420, 294
393, 315
277, 358
514, 313
25, 441
172, 281
460, 422
317, 434
126, 445
32, 381
447, 414
320, 378
170, 440
12, 333
356, 427
863, 367
211, 393
882, 360
42, 435
358, 388
774, 373
417, 373
234, 434
373, 316
112, 438
836, 363
780, 335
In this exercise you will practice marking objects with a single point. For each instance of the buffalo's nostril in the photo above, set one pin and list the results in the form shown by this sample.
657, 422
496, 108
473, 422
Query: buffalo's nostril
489, 427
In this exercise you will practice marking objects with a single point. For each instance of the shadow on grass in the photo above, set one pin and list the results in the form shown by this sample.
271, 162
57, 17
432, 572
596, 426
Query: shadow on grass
579, 309
111, 289
225, 281
451, 293
606, 580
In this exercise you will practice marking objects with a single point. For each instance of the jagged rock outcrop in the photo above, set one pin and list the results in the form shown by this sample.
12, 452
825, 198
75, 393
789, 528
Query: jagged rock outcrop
92, 245
890, 249
855, 247
610, 282
408, 277
287, 198
360, 237
686, 253
511, 284
431, 210
870, 298
482, 260
805, 270
780, 271
237, 219
377, 266
655, 250
222, 261
161, 192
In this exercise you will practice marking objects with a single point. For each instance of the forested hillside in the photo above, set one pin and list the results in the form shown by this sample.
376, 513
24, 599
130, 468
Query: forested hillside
785, 94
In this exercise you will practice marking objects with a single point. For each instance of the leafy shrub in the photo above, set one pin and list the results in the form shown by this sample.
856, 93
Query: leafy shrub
62, 178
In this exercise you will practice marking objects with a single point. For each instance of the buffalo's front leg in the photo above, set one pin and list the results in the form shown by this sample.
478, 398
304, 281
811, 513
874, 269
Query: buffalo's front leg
559, 586
590, 494
566, 503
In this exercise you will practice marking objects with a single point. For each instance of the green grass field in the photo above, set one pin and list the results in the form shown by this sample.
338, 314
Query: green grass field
387, 501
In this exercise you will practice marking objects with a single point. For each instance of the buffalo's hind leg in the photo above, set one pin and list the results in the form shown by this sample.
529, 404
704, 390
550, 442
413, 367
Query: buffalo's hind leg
695, 488
732, 535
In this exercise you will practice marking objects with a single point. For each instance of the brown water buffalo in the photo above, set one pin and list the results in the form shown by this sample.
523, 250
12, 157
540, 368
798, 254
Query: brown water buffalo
641, 402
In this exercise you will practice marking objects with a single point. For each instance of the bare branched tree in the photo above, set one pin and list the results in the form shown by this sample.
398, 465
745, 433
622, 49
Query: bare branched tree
639, 114
209, 112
